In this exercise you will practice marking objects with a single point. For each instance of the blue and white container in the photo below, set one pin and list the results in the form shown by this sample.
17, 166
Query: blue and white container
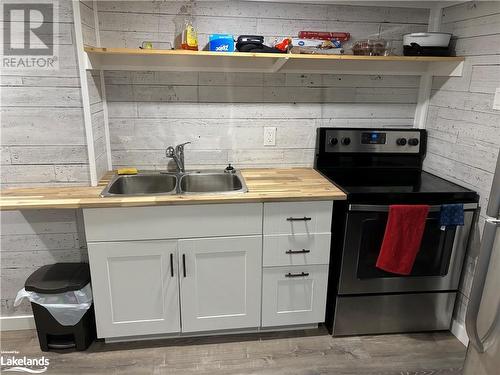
221, 43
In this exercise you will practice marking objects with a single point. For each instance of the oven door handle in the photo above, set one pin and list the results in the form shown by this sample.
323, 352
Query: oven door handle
385, 208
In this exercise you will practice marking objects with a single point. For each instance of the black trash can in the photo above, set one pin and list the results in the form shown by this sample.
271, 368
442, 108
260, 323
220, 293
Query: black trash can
55, 279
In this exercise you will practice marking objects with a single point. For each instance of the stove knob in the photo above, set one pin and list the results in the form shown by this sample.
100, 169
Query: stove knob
333, 141
401, 141
346, 141
413, 141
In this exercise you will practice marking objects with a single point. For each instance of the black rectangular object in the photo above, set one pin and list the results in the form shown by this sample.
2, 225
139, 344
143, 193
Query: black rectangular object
254, 39
426, 51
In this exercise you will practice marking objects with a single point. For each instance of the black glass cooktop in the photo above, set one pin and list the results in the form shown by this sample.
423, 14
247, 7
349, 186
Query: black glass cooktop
397, 186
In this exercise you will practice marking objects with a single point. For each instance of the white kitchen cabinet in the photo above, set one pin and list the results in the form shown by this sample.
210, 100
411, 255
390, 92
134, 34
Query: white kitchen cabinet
294, 295
221, 285
135, 287
201, 268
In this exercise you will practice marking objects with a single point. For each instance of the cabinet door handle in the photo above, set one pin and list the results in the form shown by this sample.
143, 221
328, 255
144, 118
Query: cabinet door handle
184, 264
302, 274
303, 251
171, 264
305, 218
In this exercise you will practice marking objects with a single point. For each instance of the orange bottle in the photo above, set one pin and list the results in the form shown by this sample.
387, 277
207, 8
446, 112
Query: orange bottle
189, 37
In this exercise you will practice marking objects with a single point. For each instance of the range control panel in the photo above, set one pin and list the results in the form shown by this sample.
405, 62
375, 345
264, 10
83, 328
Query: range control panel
373, 140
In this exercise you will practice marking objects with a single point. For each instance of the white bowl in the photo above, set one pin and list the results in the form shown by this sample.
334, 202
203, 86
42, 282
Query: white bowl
427, 39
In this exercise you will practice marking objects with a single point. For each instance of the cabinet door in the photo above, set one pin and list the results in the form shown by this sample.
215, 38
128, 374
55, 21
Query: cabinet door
294, 295
135, 287
220, 283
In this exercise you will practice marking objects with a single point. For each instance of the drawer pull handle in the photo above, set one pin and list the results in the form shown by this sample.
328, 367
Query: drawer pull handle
305, 218
302, 274
171, 265
303, 251
184, 264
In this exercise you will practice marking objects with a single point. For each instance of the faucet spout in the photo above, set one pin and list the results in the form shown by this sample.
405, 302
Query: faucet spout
177, 154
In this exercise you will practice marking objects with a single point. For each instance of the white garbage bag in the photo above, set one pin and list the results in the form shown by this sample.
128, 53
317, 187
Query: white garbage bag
67, 308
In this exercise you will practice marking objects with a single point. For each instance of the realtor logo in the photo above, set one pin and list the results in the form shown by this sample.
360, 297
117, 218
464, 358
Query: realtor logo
29, 35
37, 28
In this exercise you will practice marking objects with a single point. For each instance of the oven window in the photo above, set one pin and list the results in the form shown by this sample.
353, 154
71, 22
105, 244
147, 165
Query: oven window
432, 260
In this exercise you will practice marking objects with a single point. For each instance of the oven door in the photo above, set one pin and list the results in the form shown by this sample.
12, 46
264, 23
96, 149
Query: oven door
437, 266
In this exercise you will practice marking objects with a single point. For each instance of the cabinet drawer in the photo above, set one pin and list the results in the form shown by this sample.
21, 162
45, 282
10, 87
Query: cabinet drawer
294, 295
297, 217
163, 222
298, 249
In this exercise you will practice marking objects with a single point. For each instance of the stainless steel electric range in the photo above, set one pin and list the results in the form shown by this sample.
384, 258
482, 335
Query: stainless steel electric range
377, 168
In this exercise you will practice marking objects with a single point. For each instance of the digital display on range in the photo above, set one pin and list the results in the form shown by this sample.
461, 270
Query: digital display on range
373, 138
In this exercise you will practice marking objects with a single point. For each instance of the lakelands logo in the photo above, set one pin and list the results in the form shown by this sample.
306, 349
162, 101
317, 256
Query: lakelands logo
29, 35
12, 362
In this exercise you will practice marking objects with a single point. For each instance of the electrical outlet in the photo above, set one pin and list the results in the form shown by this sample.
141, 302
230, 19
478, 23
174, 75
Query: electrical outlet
269, 136
496, 99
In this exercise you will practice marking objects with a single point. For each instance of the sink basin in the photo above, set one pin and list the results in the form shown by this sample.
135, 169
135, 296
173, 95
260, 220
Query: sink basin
212, 182
141, 184
156, 183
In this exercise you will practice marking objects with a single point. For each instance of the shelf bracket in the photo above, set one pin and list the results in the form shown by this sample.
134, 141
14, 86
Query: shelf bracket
279, 64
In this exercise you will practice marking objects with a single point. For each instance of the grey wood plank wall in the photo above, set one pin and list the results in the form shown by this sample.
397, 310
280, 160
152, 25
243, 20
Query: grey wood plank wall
42, 143
88, 23
223, 115
464, 129
43, 137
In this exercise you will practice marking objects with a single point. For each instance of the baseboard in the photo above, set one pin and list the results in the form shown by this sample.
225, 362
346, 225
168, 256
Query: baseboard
16, 323
210, 333
459, 331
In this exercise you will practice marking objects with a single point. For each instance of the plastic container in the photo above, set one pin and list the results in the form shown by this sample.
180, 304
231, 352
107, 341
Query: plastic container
427, 39
61, 299
427, 44
371, 47
221, 42
189, 36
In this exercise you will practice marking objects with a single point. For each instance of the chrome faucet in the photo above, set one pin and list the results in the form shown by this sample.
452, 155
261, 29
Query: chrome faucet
177, 154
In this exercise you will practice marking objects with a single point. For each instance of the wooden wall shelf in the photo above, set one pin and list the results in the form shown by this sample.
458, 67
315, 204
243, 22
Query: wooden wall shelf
204, 61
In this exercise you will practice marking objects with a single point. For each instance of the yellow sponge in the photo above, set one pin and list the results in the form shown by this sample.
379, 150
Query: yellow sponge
127, 171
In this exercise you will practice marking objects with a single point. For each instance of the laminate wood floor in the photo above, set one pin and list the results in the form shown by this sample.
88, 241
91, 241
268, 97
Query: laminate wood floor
305, 352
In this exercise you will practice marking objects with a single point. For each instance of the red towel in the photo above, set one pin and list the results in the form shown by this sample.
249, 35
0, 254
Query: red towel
403, 234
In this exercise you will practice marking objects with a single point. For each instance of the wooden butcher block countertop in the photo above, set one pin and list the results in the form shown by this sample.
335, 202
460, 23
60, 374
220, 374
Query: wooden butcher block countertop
264, 185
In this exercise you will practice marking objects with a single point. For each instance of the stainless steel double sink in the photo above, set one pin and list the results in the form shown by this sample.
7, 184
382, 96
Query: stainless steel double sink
163, 183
